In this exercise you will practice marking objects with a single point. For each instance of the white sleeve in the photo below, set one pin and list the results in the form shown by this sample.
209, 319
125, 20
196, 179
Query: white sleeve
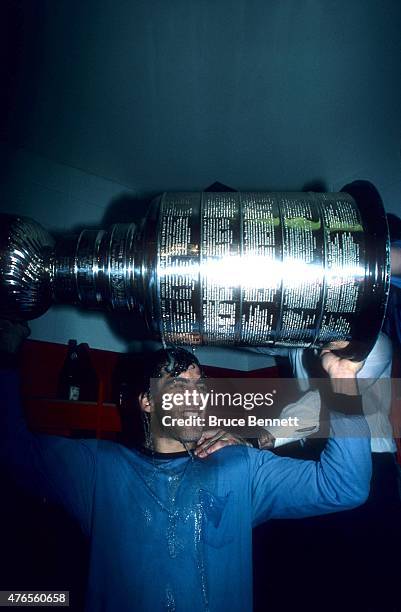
307, 412
374, 381
378, 362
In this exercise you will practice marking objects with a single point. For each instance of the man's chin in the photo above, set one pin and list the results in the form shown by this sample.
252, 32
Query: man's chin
189, 436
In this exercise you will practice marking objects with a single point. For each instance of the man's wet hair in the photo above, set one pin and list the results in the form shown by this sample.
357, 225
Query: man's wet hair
172, 361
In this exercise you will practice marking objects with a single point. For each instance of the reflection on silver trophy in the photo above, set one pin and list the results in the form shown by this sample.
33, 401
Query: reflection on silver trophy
222, 268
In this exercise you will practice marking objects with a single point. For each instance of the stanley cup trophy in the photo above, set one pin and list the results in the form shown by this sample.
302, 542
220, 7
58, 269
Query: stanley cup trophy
218, 268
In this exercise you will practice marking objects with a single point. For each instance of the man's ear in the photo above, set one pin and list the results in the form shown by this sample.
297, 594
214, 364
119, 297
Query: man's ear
145, 401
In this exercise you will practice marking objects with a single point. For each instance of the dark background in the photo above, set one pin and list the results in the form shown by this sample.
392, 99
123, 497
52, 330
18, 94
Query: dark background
157, 95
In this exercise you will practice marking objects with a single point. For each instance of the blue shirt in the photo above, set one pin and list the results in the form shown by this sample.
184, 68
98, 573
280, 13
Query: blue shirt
173, 532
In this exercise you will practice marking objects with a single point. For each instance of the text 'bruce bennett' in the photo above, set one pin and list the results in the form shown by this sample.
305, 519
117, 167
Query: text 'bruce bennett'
214, 421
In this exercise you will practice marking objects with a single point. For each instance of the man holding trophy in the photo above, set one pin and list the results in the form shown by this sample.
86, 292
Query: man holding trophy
169, 525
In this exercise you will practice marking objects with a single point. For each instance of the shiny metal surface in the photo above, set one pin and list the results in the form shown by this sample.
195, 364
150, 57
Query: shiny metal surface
25, 268
97, 269
270, 269
227, 268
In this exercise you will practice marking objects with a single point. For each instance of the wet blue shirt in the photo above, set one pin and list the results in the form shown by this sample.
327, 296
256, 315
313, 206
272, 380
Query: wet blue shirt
172, 532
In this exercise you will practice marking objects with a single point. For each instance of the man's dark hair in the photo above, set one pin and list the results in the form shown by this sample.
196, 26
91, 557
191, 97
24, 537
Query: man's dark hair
135, 370
173, 361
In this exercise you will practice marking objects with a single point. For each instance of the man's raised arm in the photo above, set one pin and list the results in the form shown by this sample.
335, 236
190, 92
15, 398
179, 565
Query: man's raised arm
60, 469
291, 488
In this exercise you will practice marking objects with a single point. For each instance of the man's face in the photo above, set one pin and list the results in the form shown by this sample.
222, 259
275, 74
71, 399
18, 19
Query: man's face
177, 394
